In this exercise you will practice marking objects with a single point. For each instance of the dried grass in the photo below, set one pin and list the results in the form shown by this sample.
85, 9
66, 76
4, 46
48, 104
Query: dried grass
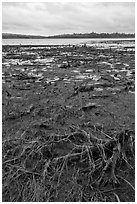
79, 164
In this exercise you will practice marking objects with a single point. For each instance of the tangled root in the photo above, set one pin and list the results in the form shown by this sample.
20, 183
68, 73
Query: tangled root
33, 171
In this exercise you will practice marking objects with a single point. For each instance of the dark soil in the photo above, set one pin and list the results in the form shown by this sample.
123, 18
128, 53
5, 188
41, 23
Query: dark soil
65, 110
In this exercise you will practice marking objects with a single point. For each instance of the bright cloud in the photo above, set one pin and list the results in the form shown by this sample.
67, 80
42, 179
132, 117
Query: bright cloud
50, 18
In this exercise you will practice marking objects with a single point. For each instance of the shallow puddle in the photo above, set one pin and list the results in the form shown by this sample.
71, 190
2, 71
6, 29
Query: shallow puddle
132, 92
126, 65
107, 63
98, 89
113, 89
75, 71
89, 70
44, 61
28, 62
82, 77
115, 70
96, 78
129, 73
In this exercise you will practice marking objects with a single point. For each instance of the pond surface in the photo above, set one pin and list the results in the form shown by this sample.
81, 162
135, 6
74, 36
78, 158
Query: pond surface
64, 41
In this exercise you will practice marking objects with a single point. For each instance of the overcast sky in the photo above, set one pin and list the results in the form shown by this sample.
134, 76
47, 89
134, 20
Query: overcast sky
50, 18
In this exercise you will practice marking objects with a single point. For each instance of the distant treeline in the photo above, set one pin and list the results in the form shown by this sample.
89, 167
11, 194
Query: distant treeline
16, 36
74, 35
95, 35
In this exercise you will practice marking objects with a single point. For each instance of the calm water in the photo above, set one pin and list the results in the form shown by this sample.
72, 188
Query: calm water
70, 41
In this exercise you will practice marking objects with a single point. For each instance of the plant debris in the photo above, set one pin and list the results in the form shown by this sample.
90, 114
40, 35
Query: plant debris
68, 123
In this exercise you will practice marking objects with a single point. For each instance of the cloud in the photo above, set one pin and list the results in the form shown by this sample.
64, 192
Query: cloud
49, 18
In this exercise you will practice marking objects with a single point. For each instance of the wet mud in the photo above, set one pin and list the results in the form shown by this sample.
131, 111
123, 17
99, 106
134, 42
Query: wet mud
63, 107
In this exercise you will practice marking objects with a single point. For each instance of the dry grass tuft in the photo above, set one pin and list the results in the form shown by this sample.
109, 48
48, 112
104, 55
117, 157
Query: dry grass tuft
75, 167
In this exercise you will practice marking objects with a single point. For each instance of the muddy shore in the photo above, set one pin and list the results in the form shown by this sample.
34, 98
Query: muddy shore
53, 99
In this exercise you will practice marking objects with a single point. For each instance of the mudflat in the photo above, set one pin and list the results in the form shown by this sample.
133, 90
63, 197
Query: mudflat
68, 123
